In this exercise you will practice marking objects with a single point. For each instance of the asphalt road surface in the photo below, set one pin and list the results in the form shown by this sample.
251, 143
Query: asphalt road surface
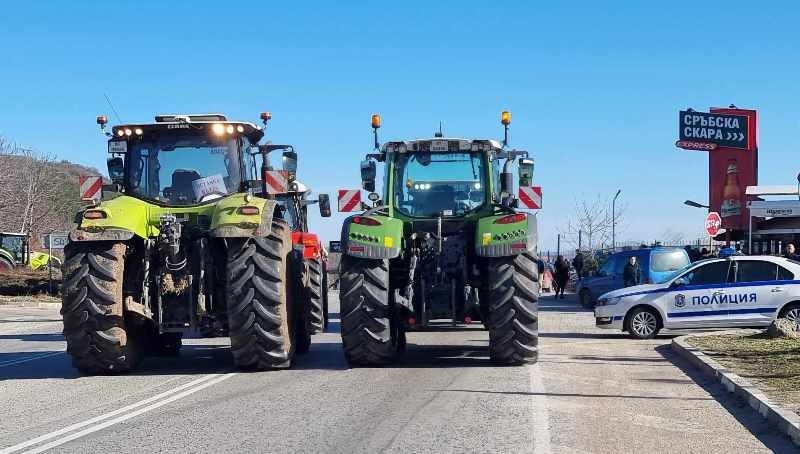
592, 391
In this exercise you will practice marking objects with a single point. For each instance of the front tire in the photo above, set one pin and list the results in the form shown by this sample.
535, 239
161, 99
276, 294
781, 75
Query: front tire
643, 323
370, 336
260, 308
316, 306
92, 309
514, 309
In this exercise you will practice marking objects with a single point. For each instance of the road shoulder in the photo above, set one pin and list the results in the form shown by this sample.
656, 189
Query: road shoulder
786, 421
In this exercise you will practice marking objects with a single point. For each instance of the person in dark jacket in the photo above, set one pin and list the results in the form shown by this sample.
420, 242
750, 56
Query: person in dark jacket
577, 263
562, 275
631, 274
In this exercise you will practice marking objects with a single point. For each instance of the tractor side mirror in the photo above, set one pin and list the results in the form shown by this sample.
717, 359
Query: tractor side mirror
289, 162
324, 205
116, 170
368, 173
525, 172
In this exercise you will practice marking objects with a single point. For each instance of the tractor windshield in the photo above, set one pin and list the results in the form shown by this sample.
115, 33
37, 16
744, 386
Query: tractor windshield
184, 169
439, 184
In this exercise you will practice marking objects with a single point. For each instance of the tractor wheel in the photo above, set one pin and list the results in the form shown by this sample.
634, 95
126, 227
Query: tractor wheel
5, 265
92, 308
316, 309
259, 297
370, 335
513, 310
325, 290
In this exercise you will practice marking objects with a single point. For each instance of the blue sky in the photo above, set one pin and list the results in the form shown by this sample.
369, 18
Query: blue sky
594, 88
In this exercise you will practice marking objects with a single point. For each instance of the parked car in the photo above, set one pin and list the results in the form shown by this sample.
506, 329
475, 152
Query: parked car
655, 265
732, 292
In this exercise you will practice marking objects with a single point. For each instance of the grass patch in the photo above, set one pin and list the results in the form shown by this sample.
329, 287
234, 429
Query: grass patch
771, 364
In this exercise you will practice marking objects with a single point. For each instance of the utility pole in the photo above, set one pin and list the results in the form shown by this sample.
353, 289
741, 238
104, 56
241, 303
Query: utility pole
580, 238
558, 246
614, 221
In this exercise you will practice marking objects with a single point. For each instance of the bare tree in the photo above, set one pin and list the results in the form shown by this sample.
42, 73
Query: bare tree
591, 225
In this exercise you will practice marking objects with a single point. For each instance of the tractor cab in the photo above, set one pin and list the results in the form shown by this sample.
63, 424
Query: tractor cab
14, 250
183, 160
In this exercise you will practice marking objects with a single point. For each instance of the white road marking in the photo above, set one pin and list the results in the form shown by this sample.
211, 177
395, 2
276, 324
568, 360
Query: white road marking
111, 418
29, 358
541, 416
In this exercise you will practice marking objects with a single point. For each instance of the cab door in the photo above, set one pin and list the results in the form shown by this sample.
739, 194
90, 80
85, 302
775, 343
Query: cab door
757, 294
695, 299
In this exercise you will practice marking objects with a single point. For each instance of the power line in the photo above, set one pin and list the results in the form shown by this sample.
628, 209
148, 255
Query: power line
112, 108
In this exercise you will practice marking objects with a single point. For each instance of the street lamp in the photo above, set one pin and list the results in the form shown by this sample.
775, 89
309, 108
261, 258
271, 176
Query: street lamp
614, 221
692, 203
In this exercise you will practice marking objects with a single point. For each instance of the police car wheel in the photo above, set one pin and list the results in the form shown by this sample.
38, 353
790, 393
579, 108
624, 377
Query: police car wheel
643, 323
792, 313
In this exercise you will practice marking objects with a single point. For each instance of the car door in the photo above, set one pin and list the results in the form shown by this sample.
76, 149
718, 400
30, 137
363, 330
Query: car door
757, 294
695, 297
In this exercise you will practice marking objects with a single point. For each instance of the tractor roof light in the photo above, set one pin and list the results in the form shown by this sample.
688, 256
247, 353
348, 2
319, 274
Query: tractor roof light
265, 117
120, 132
376, 121
128, 132
505, 118
102, 120
218, 129
138, 131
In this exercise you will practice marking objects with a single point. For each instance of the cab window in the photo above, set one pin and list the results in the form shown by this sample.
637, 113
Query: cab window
708, 274
608, 267
755, 271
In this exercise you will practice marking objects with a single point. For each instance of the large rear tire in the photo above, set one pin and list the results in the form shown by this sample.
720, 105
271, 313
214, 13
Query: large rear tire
514, 309
316, 310
260, 305
370, 336
92, 308
5, 265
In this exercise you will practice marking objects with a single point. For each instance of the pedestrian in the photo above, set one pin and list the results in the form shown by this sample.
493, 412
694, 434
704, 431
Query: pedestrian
577, 263
562, 275
631, 274
705, 254
791, 253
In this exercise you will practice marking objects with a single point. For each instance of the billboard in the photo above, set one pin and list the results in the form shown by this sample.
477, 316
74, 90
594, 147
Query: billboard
730, 172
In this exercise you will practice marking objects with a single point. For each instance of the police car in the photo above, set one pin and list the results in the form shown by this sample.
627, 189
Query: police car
737, 291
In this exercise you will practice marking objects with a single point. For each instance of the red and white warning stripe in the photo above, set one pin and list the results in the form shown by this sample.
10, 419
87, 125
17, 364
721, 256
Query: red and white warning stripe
349, 200
277, 181
91, 187
531, 197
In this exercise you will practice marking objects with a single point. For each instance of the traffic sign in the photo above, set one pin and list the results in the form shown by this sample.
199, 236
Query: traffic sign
531, 197
55, 240
349, 200
91, 187
720, 129
335, 246
713, 223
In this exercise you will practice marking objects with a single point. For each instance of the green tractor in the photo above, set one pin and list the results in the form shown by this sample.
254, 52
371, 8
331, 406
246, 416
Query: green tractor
443, 244
192, 245
15, 252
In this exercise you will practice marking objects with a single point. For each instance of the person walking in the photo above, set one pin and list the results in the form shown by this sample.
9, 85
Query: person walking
631, 274
562, 275
577, 263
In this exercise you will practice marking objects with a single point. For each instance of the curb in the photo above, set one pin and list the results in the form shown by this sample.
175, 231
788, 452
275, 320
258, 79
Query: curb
786, 421
30, 304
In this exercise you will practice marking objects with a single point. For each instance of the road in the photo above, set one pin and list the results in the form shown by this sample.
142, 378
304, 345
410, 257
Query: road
592, 391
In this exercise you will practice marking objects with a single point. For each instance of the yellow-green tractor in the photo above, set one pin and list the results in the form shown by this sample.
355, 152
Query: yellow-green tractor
193, 245
15, 253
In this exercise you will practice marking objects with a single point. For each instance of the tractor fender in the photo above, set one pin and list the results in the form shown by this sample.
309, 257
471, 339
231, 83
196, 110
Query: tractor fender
496, 239
370, 240
229, 222
6, 255
101, 235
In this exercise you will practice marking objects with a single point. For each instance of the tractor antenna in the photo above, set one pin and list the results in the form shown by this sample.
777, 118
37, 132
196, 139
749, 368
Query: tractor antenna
108, 100
440, 133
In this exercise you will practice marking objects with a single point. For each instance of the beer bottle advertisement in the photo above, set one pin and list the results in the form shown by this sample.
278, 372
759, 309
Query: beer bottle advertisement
730, 172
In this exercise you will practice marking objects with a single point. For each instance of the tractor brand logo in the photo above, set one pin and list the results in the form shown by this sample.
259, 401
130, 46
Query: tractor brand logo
680, 301
531, 197
349, 200
179, 126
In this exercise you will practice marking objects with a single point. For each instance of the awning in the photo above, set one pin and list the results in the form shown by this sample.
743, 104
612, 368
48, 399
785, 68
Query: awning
775, 208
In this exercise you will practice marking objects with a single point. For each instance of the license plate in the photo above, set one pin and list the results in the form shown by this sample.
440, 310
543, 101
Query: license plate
439, 145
